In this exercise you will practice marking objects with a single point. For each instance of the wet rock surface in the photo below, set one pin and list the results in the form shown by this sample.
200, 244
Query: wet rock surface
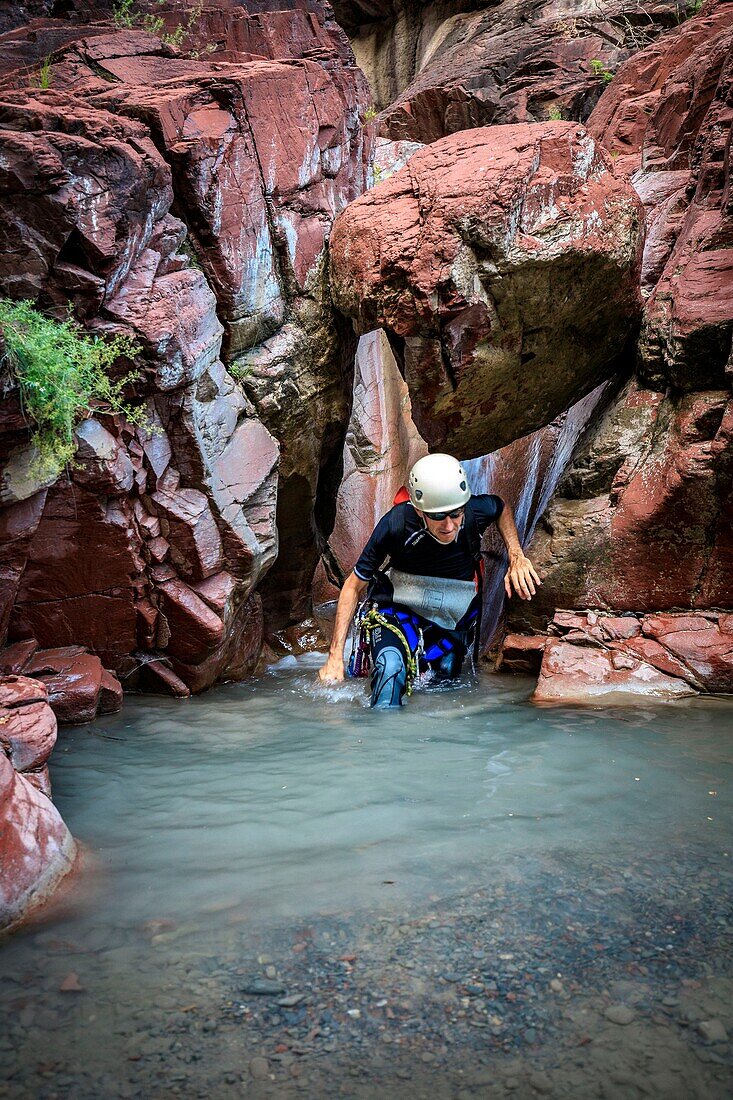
641, 519
588, 655
36, 849
565, 978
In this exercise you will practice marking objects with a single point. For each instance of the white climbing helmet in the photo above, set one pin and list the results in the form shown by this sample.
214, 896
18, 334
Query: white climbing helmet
438, 483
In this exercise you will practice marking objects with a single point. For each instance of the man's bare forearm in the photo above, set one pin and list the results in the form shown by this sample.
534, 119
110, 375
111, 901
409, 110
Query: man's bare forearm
521, 577
351, 594
508, 531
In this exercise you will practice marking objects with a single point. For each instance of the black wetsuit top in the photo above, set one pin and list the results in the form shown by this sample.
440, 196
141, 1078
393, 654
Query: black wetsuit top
402, 537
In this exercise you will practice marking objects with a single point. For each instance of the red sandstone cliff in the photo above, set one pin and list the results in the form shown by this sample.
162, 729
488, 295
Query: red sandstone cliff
183, 196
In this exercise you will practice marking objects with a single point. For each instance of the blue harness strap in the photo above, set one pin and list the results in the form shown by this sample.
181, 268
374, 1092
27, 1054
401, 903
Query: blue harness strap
411, 626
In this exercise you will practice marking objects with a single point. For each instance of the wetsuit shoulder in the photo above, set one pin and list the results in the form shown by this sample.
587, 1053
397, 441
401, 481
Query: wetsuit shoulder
485, 508
387, 537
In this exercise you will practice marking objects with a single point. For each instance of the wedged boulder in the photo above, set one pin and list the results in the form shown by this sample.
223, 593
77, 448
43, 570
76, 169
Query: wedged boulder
664, 656
643, 516
442, 67
666, 121
36, 848
503, 265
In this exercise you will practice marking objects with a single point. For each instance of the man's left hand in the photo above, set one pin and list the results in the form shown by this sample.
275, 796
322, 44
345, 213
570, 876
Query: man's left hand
521, 578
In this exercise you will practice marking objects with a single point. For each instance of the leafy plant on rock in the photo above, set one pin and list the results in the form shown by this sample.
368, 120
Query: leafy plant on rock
599, 69
61, 372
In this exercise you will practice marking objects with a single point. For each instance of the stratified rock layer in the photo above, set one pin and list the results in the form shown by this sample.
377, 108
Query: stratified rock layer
36, 848
658, 656
503, 265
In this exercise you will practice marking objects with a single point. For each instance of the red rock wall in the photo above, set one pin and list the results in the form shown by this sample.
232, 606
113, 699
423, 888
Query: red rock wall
440, 67
503, 264
642, 520
151, 551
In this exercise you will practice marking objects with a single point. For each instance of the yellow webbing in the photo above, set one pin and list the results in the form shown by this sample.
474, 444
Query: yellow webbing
374, 618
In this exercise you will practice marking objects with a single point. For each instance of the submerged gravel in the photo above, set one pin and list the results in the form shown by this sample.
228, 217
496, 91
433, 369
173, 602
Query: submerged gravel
561, 977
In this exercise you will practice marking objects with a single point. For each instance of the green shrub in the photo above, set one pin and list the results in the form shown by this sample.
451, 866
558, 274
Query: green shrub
175, 37
555, 114
371, 113
153, 24
62, 375
599, 69
124, 13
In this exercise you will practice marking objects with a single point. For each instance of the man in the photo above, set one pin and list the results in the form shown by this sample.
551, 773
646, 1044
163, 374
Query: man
421, 572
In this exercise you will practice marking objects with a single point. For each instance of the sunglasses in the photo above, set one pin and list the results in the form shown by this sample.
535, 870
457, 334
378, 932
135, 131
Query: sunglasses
455, 514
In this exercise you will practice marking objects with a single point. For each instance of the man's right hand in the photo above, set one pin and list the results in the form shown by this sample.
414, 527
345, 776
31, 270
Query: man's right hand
332, 671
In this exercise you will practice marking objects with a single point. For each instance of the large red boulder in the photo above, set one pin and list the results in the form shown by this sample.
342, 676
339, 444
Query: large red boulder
36, 848
73, 681
503, 264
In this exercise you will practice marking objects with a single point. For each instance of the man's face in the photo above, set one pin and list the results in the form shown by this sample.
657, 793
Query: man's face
444, 530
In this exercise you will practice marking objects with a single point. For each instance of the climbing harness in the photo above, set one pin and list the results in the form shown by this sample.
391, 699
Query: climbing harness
360, 656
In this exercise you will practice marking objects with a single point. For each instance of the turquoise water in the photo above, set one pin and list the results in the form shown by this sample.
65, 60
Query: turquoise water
219, 825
